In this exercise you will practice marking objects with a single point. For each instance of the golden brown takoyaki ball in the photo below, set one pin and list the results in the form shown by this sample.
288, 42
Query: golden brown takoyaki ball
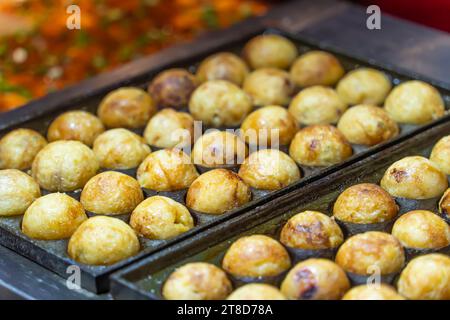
440, 154
167, 170
19, 147
17, 191
169, 128
269, 86
52, 217
222, 66
315, 279
444, 204
103, 241
319, 145
364, 86
422, 229
414, 102
414, 178
317, 105
127, 108
64, 166
120, 149
316, 68
260, 125
218, 148
372, 292
111, 193
370, 252
256, 291
197, 281
256, 256
269, 169
172, 88
75, 125
219, 103
311, 230
270, 51
217, 191
161, 218
426, 278
365, 203
367, 125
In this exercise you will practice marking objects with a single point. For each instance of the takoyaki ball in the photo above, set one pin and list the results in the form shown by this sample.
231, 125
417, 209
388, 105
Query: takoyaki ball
269, 169
217, 191
256, 256
172, 88
126, 108
219, 148
17, 191
364, 86
365, 253
64, 166
103, 241
161, 218
256, 291
319, 145
52, 217
169, 128
19, 147
414, 102
270, 51
414, 178
219, 103
367, 125
379, 291
267, 124
167, 170
317, 105
120, 149
75, 125
440, 154
316, 68
222, 66
422, 229
315, 279
444, 204
365, 203
269, 86
426, 277
311, 230
111, 193
197, 281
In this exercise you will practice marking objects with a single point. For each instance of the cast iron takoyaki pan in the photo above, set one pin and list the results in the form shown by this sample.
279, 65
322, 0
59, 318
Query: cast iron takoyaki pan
86, 96
144, 280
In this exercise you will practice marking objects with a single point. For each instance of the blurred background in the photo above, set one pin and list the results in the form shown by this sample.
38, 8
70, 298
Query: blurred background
38, 54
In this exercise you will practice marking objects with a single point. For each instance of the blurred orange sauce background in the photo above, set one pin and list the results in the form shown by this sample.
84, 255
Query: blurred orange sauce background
39, 54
